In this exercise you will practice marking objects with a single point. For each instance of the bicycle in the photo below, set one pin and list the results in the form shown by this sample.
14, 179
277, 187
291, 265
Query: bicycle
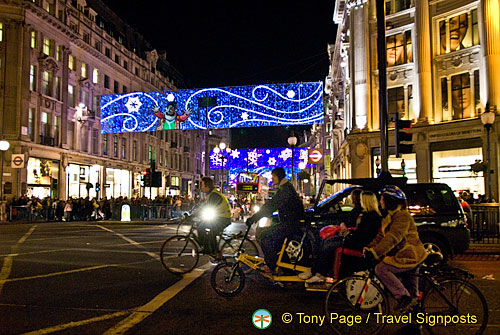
448, 303
228, 278
180, 254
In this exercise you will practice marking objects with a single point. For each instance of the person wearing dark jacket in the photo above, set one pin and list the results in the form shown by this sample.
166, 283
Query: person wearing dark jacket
290, 211
367, 226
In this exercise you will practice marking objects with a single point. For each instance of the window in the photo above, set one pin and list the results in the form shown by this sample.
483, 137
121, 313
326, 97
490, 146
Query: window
57, 128
458, 32
105, 144
59, 53
120, 40
31, 123
95, 105
125, 64
150, 153
85, 97
71, 132
136, 71
85, 139
117, 59
166, 155
33, 39
394, 6
124, 148
50, 7
58, 88
44, 121
125, 89
73, 26
399, 49
444, 98
115, 145
134, 151
95, 141
1, 32
115, 87
106, 81
161, 157
48, 47
461, 96
71, 63
84, 70
107, 52
32, 77
71, 95
98, 46
95, 76
86, 37
477, 101
47, 83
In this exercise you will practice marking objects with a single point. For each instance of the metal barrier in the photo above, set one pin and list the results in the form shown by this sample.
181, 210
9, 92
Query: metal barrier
485, 227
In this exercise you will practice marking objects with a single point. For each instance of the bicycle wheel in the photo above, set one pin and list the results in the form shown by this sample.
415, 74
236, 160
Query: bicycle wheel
227, 279
346, 316
230, 247
455, 306
179, 254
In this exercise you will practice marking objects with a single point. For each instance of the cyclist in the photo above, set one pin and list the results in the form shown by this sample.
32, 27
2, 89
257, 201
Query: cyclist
290, 210
209, 228
398, 241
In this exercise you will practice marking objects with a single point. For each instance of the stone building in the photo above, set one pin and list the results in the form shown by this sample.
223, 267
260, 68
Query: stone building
57, 57
442, 58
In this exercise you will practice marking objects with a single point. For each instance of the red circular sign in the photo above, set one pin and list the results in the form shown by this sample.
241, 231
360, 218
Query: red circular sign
315, 156
18, 161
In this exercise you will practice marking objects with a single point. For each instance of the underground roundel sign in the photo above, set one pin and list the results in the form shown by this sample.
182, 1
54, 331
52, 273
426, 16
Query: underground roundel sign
17, 161
315, 156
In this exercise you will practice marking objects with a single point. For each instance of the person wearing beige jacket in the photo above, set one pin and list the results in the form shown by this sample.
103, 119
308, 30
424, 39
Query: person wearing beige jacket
398, 247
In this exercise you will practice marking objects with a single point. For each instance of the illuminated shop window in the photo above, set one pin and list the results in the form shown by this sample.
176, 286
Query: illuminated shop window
399, 49
458, 32
95, 76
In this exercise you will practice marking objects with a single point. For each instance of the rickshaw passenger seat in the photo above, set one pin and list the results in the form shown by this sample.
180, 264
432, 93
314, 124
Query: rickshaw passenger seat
338, 256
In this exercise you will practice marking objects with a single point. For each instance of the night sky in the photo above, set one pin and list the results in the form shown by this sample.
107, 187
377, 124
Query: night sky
240, 42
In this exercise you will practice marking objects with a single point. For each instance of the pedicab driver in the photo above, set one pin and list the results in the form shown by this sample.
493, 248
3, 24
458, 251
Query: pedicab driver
290, 209
215, 215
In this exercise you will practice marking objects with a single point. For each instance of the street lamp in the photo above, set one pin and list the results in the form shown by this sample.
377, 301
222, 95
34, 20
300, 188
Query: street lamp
488, 118
219, 150
292, 141
4, 146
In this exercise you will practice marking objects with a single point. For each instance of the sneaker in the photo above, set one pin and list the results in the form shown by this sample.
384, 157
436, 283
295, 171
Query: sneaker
305, 275
403, 303
317, 278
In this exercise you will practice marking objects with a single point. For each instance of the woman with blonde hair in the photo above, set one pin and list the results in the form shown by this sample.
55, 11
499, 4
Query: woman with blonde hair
367, 226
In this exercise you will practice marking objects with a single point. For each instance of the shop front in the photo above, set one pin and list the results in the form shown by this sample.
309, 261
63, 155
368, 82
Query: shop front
42, 178
82, 180
118, 183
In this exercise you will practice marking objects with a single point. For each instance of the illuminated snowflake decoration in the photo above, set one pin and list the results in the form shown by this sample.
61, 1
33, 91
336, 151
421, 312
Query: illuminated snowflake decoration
271, 161
244, 116
253, 156
235, 154
285, 154
133, 105
216, 159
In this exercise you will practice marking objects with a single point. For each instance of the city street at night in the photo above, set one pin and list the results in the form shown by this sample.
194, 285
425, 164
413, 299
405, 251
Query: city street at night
87, 278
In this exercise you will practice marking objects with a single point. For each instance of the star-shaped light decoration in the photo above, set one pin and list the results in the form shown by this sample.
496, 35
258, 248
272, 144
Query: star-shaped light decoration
133, 104
253, 156
271, 161
235, 153
244, 116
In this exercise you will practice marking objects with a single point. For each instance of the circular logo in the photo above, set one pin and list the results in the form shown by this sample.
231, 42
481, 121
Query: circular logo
262, 319
17, 161
315, 155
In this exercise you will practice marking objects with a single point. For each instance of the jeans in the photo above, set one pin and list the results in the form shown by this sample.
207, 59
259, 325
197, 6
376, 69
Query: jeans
207, 234
271, 240
387, 274
324, 261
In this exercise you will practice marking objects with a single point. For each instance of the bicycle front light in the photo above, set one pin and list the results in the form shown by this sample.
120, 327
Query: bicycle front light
256, 209
208, 214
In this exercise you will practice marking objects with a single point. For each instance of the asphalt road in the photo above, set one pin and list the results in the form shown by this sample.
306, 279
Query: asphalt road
101, 278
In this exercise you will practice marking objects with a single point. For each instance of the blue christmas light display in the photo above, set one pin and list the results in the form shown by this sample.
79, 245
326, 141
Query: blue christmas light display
261, 161
227, 107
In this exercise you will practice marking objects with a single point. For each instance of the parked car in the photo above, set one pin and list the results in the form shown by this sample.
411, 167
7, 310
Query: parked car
440, 219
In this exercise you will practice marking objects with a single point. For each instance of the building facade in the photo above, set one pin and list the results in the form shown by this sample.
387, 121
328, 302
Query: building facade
442, 57
57, 57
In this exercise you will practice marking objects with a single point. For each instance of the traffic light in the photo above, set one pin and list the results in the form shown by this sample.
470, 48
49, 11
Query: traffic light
97, 187
402, 135
156, 179
147, 177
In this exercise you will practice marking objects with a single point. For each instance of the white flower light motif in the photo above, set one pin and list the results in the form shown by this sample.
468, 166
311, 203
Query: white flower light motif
290, 94
271, 161
235, 153
285, 154
216, 159
133, 104
244, 116
170, 97
253, 156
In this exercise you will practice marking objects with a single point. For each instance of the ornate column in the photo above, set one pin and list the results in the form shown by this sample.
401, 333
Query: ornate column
64, 97
489, 11
423, 61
